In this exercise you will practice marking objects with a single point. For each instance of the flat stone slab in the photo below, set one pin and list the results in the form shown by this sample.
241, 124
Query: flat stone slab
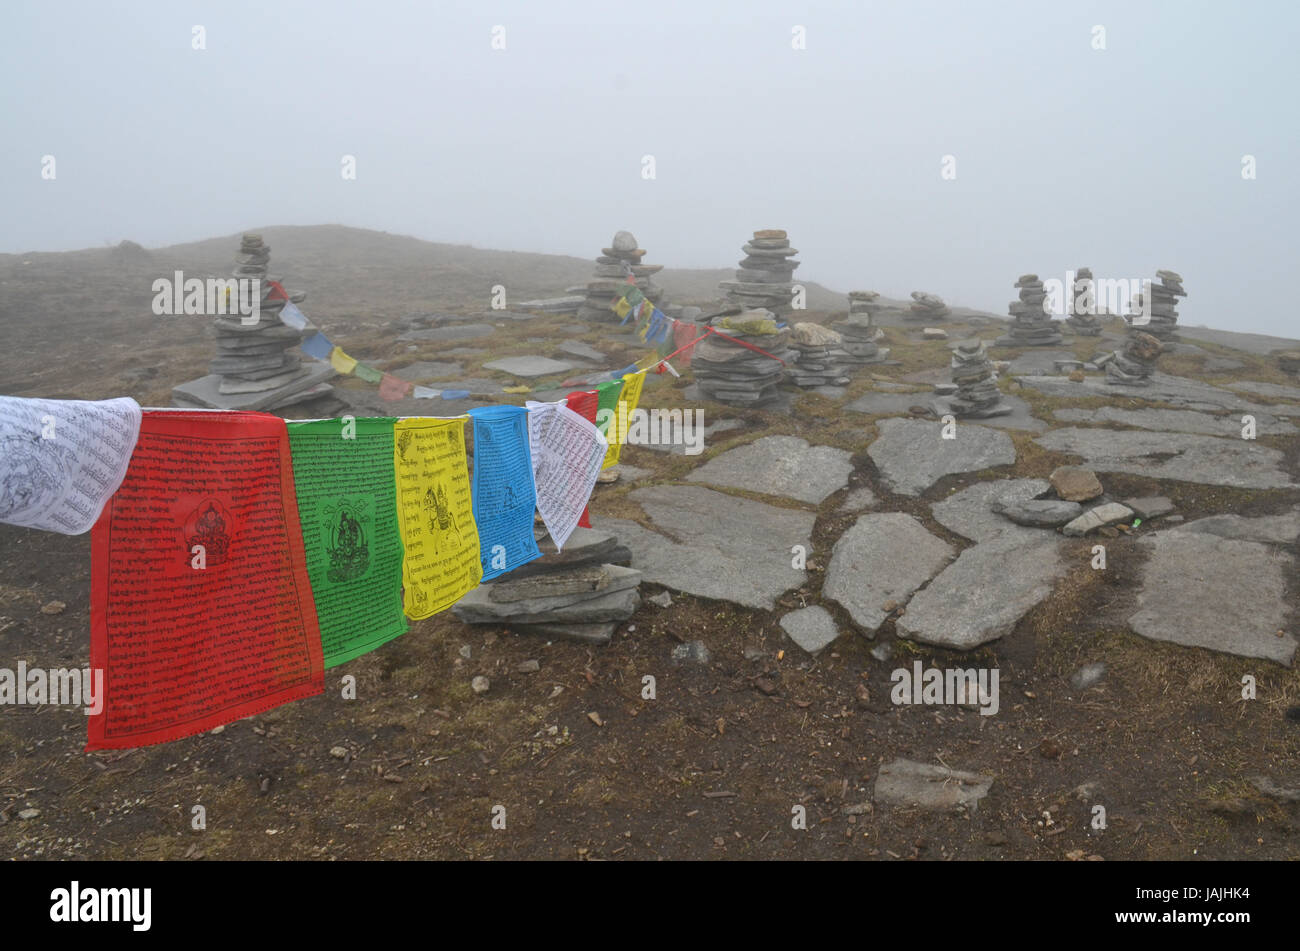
582, 351
922, 786
1200, 590
668, 434
584, 606
812, 628
969, 511
1150, 506
1269, 529
881, 558
452, 332
715, 545
984, 593
1019, 418
912, 455
779, 465
1270, 390
1176, 390
875, 403
1037, 362
204, 391
1184, 457
1176, 421
427, 370
529, 366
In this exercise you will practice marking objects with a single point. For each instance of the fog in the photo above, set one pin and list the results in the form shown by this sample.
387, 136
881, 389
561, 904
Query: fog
1126, 158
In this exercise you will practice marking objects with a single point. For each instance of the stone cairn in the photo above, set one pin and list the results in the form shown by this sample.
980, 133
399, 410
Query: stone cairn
253, 368
858, 332
582, 592
977, 395
765, 280
1083, 319
1164, 298
610, 277
927, 307
1030, 326
814, 364
731, 373
1135, 362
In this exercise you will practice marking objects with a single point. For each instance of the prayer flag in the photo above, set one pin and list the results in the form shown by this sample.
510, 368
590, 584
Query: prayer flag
201, 611
61, 460
504, 495
627, 402
291, 316
394, 388
318, 346
369, 374
567, 450
438, 529
347, 503
341, 361
586, 404
425, 393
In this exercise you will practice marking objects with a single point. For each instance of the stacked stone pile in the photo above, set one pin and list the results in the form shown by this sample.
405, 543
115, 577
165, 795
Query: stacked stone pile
977, 394
1164, 299
253, 368
765, 279
1083, 319
582, 592
610, 277
928, 308
858, 332
730, 372
1135, 362
1031, 326
814, 363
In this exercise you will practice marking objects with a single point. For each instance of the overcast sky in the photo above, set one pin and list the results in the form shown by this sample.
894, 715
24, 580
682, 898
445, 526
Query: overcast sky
1125, 159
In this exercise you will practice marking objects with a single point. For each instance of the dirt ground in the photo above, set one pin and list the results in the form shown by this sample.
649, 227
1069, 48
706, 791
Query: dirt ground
584, 766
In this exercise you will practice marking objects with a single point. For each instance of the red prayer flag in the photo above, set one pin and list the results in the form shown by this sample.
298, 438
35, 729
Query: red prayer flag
684, 334
201, 611
392, 388
585, 404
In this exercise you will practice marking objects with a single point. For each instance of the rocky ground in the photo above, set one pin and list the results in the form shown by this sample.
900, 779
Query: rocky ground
848, 525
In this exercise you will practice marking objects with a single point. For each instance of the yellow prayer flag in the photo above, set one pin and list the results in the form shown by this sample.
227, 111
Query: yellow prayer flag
618, 426
435, 514
622, 307
341, 362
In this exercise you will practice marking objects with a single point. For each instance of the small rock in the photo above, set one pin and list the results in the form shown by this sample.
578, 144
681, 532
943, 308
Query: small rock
1050, 749
663, 599
465, 651
1075, 484
859, 809
692, 651
883, 651
934, 333
1039, 513
1151, 506
480, 684
1100, 517
1077, 376
339, 752
54, 607
1087, 675
594, 717
528, 667
29, 813
217, 730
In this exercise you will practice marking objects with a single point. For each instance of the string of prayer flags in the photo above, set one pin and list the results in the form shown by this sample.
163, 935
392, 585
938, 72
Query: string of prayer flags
442, 561
341, 362
63, 459
567, 451
318, 346
394, 388
586, 403
347, 503
503, 491
201, 611
627, 403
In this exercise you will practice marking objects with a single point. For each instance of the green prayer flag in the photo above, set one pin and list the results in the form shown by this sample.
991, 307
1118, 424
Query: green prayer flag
369, 374
607, 404
347, 504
